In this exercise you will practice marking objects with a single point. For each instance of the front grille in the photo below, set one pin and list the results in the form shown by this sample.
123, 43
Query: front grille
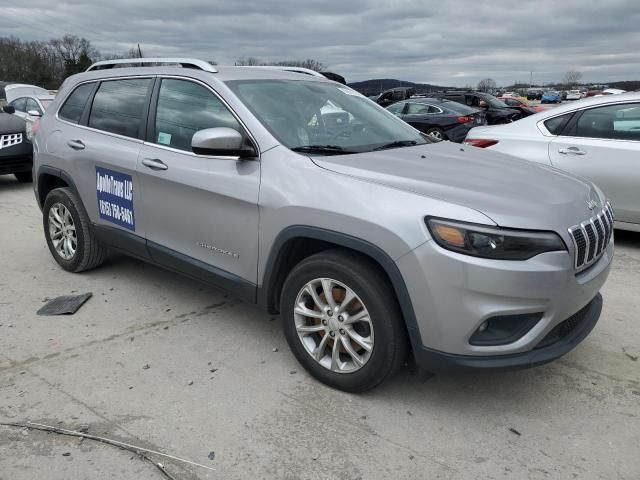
591, 237
10, 140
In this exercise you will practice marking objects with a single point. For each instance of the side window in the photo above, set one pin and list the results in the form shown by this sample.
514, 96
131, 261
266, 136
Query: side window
555, 125
617, 122
74, 105
33, 105
185, 107
118, 106
20, 104
397, 108
417, 109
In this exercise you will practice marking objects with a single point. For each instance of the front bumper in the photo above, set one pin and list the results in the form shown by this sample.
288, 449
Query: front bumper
454, 294
15, 159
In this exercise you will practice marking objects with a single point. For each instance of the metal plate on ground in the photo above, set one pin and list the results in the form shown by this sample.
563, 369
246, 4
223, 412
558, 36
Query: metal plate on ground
66, 305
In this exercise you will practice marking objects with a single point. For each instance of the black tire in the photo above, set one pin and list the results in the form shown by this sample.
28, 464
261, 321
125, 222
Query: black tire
362, 276
24, 177
436, 132
89, 253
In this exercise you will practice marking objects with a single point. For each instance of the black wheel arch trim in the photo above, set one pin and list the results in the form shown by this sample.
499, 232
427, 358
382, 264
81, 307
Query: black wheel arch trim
55, 172
271, 278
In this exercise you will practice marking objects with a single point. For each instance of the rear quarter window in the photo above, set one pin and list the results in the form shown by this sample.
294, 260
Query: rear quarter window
556, 125
73, 107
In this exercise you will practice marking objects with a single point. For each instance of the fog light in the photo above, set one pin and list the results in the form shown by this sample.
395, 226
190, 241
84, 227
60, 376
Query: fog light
483, 327
504, 329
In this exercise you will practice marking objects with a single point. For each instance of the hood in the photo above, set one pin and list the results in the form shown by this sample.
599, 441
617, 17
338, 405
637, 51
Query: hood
11, 124
512, 192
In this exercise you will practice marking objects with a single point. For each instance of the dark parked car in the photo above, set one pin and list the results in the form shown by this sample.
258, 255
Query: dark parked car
534, 94
496, 111
394, 95
440, 119
16, 152
520, 105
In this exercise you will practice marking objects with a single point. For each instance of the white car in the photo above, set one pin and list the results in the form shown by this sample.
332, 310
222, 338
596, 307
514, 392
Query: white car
597, 138
574, 95
29, 101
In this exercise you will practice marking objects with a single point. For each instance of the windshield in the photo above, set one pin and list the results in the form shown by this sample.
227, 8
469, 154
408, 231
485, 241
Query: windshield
303, 114
494, 102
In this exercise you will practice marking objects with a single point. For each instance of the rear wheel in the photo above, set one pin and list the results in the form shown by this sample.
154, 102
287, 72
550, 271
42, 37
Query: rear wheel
342, 321
436, 133
24, 177
68, 231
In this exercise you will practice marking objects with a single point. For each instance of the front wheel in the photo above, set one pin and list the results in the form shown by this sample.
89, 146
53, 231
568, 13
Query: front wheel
342, 321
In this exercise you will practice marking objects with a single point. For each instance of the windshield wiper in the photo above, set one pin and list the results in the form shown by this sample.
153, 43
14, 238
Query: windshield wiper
397, 144
324, 149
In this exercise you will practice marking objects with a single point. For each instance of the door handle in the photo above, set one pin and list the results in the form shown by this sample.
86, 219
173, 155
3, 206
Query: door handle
154, 164
76, 144
571, 151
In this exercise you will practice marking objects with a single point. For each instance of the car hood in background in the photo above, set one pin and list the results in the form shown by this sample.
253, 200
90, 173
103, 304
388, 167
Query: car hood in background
513, 193
11, 124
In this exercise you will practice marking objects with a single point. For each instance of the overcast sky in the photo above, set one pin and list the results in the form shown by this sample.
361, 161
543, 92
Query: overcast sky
440, 42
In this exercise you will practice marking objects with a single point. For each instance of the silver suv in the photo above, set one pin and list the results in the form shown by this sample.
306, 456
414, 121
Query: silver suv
376, 245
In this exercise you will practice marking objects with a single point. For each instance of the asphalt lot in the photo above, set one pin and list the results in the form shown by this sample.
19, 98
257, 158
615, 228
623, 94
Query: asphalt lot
162, 362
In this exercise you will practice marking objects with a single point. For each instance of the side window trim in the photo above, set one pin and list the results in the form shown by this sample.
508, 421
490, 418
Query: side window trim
153, 108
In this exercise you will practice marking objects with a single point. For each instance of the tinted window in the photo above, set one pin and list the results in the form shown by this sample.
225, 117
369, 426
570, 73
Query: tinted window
33, 105
184, 108
118, 106
556, 125
73, 107
618, 122
20, 104
396, 107
457, 108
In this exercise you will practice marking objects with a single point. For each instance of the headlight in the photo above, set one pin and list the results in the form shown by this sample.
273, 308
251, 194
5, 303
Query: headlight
492, 242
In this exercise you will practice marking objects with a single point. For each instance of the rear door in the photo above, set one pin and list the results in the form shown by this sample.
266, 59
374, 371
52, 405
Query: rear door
603, 145
102, 149
198, 211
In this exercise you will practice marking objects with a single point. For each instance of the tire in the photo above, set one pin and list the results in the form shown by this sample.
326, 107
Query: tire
88, 252
24, 177
436, 133
373, 295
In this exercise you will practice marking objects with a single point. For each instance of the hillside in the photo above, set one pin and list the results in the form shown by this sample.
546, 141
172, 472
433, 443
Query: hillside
379, 85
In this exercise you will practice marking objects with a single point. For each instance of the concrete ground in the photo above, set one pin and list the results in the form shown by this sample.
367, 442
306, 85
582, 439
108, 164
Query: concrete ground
168, 364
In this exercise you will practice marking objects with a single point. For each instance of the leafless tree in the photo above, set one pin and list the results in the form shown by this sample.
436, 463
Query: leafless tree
572, 77
308, 63
487, 85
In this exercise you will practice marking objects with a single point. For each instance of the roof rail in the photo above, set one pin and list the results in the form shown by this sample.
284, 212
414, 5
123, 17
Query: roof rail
306, 71
183, 62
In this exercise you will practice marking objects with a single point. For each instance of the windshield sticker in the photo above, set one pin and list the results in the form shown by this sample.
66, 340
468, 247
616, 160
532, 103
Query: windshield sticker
115, 197
164, 138
349, 91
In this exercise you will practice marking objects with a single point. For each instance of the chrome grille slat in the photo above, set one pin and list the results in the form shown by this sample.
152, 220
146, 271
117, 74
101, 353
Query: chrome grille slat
10, 140
591, 237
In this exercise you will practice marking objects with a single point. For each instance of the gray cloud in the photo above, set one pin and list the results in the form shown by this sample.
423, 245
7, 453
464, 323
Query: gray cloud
446, 43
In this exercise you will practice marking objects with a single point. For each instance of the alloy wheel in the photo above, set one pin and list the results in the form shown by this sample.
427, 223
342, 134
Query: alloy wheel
333, 325
62, 231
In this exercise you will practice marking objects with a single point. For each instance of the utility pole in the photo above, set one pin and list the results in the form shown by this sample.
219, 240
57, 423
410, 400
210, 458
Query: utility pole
530, 79
139, 52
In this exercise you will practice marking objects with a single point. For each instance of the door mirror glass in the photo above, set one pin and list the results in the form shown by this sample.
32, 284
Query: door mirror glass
221, 141
9, 109
34, 113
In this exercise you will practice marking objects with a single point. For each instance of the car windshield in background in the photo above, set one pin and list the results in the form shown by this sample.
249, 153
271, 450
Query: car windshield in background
45, 103
323, 118
494, 102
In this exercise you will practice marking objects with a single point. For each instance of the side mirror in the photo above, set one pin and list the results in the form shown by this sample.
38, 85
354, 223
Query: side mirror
221, 141
483, 104
34, 113
9, 109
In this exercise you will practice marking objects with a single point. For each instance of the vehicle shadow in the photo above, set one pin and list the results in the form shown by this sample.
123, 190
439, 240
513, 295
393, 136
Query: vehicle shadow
625, 238
9, 183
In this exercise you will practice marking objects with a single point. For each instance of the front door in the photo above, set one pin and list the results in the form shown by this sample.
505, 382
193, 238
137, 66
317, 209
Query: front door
198, 211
